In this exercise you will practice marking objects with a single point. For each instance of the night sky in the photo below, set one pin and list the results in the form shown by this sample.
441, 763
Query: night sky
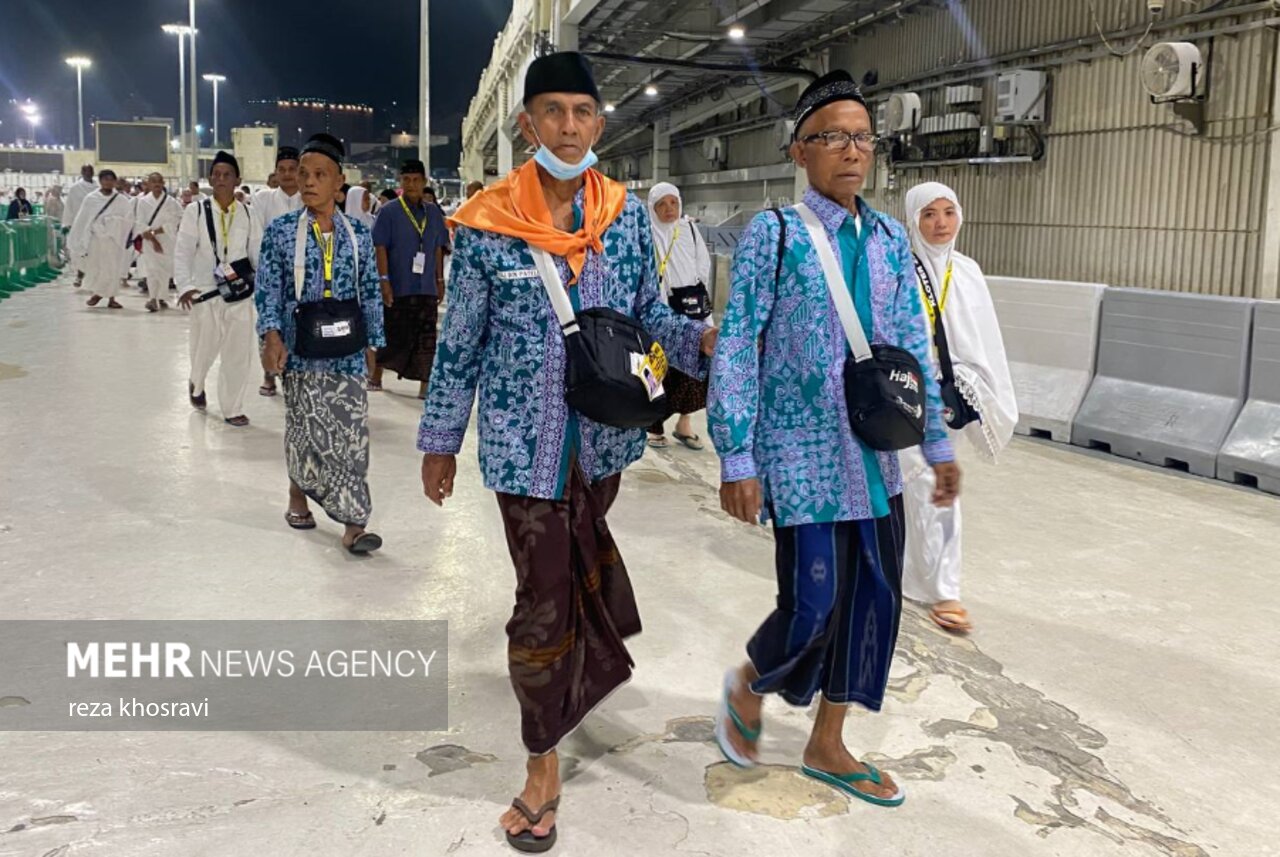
342, 51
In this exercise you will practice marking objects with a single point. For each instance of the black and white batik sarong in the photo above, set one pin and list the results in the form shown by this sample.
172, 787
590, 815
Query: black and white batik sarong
326, 442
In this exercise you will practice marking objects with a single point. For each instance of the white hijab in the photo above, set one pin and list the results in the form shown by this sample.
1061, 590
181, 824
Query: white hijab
973, 331
689, 261
354, 206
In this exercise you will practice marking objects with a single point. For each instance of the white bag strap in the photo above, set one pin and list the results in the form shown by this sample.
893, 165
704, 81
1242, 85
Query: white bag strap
836, 284
555, 290
300, 251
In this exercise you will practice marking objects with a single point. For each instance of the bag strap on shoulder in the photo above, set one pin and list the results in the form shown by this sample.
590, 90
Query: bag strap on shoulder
836, 284
551, 281
939, 329
782, 243
213, 236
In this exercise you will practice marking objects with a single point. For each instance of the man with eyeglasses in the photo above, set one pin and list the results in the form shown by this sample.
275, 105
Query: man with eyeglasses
780, 422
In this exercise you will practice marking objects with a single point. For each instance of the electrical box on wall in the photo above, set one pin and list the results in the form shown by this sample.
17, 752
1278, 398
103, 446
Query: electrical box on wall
964, 95
1021, 96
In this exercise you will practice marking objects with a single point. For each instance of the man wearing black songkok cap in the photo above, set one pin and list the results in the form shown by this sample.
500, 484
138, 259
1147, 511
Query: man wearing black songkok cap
326, 423
410, 237
545, 461
221, 330
836, 503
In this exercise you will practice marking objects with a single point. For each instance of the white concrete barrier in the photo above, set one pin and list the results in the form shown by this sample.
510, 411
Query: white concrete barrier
1171, 378
1050, 330
1251, 455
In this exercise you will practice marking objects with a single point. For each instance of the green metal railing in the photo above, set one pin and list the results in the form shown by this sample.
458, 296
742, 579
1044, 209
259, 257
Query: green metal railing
28, 253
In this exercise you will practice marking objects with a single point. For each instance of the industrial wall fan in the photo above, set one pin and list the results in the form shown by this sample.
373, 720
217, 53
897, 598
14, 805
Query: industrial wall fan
1172, 71
903, 113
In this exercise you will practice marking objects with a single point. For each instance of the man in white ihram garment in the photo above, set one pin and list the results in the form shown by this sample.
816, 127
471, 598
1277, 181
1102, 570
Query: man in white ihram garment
97, 240
978, 397
74, 198
222, 317
158, 217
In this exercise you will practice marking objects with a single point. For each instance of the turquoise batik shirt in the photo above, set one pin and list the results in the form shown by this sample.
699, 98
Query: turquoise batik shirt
571, 428
857, 275
776, 406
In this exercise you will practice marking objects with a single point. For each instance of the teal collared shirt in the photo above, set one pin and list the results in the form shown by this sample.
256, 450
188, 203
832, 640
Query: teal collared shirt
857, 276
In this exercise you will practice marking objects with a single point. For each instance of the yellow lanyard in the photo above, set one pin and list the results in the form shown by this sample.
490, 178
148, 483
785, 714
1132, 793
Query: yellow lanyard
942, 302
226, 223
326, 249
421, 227
662, 263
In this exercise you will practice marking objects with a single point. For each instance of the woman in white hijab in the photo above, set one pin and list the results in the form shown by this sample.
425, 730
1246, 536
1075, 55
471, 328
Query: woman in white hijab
684, 269
981, 407
358, 205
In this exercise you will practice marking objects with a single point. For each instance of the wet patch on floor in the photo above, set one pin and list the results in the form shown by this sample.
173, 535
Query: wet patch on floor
447, 758
777, 791
929, 763
9, 371
1041, 733
13, 701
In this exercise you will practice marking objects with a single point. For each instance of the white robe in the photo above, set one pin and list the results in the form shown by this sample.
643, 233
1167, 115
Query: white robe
73, 199
932, 565
220, 332
271, 203
97, 242
155, 267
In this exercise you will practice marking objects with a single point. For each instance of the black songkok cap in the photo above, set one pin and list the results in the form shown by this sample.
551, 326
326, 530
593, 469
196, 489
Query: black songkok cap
226, 158
286, 153
834, 86
413, 166
567, 71
327, 145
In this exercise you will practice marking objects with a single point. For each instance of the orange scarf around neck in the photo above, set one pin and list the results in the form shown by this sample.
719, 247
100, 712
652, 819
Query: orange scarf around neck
516, 206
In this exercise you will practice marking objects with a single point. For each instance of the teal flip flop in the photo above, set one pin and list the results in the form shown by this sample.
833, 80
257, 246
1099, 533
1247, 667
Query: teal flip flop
727, 715
845, 783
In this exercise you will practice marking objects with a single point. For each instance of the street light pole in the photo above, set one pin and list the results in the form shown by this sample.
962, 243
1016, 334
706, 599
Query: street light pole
180, 31
195, 96
80, 64
424, 90
215, 79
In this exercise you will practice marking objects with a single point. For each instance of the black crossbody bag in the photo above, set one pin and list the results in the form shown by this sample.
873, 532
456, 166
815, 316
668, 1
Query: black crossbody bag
956, 410
690, 301
231, 289
328, 328
602, 347
883, 384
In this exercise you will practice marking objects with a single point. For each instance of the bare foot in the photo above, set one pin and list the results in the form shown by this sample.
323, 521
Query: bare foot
748, 706
951, 616
542, 785
298, 501
840, 761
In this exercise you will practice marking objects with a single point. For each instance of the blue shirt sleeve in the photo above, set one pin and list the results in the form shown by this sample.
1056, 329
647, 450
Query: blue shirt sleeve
382, 227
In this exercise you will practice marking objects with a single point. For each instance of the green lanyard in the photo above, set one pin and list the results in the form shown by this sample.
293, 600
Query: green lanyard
420, 227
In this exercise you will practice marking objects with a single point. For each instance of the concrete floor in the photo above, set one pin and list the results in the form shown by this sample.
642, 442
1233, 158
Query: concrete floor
1119, 696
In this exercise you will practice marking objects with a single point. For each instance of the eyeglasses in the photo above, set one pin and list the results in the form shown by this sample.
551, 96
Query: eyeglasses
838, 141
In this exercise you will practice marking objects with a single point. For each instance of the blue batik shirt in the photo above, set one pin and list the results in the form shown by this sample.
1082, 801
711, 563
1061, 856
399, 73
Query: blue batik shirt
276, 296
776, 406
501, 339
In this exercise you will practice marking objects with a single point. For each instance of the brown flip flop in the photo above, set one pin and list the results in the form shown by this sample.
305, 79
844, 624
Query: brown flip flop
303, 521
525, 841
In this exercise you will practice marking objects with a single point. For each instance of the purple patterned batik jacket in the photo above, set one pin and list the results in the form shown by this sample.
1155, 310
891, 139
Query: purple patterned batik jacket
776, 405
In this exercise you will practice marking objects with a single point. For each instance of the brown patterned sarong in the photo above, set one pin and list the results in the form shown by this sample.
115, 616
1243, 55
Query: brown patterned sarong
410, 324
685, 395
574, 607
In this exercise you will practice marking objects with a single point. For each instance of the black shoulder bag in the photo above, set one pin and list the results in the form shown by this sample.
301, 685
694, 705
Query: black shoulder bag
689, 301
956, 410
614, 369
883, 384
235, 285
328, 328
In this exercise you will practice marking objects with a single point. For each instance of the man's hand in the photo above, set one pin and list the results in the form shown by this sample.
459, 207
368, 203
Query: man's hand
946, 484
709, 338
155, 242
187, 297
274, 353
388, 296
742, 500
437, 477
440, 290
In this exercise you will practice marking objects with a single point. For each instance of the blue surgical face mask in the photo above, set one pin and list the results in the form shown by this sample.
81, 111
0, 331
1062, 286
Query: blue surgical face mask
559, 168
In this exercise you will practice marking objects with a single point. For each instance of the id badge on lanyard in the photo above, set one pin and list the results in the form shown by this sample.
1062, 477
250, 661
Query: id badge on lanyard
419, 262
